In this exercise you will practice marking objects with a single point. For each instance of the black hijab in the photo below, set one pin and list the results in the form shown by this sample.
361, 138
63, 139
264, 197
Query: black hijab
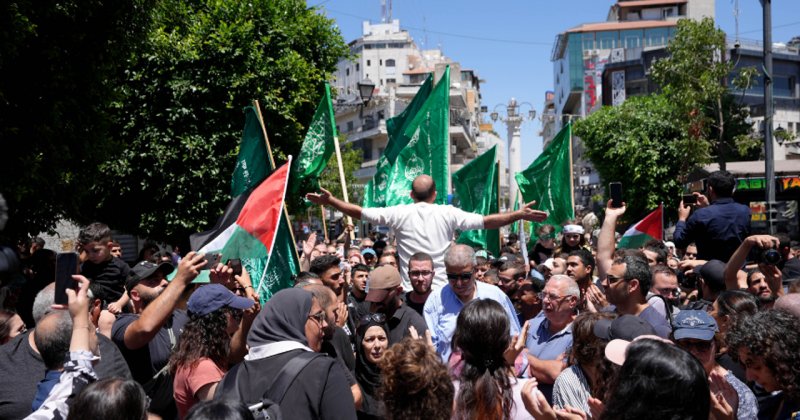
283, 319
368, 374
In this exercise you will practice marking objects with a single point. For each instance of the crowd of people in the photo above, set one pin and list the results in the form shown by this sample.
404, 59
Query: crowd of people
418, 326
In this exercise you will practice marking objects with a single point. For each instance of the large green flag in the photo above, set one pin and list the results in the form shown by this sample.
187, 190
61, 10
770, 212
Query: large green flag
375, 190
317, 148
427, 147
547, 180
476, 187
253, 165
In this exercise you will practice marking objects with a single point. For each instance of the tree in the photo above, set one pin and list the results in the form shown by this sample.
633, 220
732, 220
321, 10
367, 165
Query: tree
60, 63
643, 143
695, 78
180, 117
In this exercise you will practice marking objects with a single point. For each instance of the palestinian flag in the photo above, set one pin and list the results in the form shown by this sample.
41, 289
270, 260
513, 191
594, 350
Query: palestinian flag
649, 228
252, 234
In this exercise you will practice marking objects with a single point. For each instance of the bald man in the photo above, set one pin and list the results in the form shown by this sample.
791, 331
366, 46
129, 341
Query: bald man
424, 226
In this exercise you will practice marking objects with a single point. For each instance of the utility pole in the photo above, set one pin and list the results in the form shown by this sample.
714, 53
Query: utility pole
769, 148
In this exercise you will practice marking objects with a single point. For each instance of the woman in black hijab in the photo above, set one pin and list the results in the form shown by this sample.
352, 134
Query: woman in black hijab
371, 343
290, 325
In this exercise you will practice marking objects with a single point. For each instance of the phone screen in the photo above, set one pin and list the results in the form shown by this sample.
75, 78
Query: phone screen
236, 265
689, 199
615, 189
66, 267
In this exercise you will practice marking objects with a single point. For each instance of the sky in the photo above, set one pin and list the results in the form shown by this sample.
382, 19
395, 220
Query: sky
508, 42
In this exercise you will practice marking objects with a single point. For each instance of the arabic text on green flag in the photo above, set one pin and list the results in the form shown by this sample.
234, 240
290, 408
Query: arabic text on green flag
317, 148
547, 180
476, 187
427, 148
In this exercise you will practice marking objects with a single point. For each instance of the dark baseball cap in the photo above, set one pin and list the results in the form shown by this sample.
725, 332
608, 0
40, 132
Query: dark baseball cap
694, 324
144, 270
212, 297
382, 280
625, 327
713, 274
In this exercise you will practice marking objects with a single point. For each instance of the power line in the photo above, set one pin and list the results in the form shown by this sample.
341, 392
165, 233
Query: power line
773, 27
465, 36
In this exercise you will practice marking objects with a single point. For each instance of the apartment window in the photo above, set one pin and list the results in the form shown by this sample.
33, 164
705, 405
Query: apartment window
631, 38
390, 81
358, 67
349, 126
783, 86
587, 40
367, 149
607, 40
368, 63
390, 62
347, 71
380, 62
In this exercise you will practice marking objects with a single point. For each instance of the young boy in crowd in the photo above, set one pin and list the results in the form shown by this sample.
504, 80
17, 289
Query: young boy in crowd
106, 273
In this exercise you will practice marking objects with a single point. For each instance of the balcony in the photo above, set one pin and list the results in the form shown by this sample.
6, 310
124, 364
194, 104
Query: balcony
372, 129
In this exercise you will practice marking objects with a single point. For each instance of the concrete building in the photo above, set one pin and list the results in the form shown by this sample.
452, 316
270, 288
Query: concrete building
389, 57
580, 55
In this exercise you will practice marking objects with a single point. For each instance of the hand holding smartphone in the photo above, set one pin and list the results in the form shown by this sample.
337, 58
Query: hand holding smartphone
689, 199
66, 266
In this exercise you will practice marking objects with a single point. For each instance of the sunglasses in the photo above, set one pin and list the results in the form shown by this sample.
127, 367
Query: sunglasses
700, 346
459, 276
378, 317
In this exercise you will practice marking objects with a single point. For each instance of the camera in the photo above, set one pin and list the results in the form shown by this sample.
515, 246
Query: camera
769, 256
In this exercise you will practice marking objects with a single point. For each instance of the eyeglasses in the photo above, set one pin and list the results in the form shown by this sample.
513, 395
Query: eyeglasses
420, 273
612, 279
378, 317
459, 276
669, 292
550, 297
319, 317
700, 346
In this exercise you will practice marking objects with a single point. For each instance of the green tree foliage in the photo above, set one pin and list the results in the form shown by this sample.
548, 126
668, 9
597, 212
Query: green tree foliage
60, 63
644, 144
695, 78
180, 116
351, 162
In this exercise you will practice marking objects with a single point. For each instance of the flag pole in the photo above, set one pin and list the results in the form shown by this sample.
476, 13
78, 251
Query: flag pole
571, 178
523, 243
344, 184
663, 226
272, 161
497, 176
324, 224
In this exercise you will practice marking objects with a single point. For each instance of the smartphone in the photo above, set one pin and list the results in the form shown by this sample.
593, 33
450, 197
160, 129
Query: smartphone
689, 199
615, 189
212, 261
67, 265
236, 265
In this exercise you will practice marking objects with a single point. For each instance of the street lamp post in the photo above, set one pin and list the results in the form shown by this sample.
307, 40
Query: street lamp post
769, 158
513, 120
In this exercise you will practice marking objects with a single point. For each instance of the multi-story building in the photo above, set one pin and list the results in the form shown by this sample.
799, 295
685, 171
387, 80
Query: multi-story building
580, 55
388, 57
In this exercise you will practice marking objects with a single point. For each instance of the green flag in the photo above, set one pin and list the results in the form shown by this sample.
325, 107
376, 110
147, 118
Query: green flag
317, 148
253, 166
547, 180
427, 147
476, 187
514, 228
375, 191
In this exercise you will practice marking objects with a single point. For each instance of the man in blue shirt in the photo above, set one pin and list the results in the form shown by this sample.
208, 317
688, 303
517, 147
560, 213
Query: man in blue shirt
443, 305
550, 333
717, 228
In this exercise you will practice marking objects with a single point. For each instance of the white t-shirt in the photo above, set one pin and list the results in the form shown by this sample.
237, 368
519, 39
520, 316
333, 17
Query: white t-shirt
423, 227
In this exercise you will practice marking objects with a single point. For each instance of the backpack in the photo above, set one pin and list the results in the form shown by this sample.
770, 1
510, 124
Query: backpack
269, 408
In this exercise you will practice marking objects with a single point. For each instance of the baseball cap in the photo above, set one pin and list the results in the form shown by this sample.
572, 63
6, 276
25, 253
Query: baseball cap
368, 251
616, 350
482, 253
381, 281
212, 297
145, 269
694, 324
625, 327
713, 274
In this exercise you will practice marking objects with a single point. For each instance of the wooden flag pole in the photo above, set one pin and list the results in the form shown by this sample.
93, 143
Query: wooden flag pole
571, 177
324, 224
497, 177
272, 161
344, 184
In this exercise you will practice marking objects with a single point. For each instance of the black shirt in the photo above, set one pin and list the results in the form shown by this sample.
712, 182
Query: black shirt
414, 305
403, 318
22, 368
107, 278
146, 361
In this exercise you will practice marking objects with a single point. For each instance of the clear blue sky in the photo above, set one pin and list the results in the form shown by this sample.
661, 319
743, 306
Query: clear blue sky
508, 42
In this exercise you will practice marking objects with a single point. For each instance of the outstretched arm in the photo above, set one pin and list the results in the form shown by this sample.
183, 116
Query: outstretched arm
325, 198
738, 258
497, 220
605, 242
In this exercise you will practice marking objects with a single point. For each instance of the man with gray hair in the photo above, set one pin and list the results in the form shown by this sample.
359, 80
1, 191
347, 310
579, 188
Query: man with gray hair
550, 332
444, 304
23, 360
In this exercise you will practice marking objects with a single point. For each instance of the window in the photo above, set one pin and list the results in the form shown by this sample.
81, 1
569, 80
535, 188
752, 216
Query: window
656, 37
349, 126
380, 62
390, 81
347, 71
607, 40
358, 67
631, 38
367, 149
783, 86
368, 63
390, 62
588, 40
